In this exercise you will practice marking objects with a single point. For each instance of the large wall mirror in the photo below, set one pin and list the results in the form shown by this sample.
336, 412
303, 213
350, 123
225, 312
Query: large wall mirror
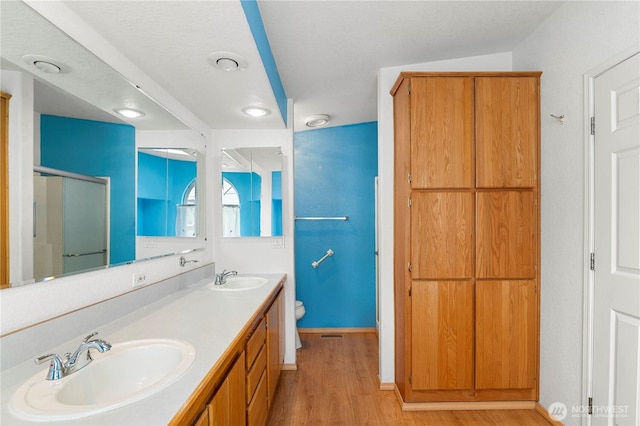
73, 155
167, 192
252, 192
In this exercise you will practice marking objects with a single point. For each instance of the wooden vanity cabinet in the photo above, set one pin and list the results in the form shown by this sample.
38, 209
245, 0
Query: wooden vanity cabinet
466, 249
239, 390
264, 360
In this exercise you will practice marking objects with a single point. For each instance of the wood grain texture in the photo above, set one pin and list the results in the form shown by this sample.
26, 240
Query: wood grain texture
255, 372
336, 384
256, 342
507, 131
274, 355
227, 407
442, 335
4, 190
257, 410
506, 334
402, 229
442, 225
442, 132
506, 244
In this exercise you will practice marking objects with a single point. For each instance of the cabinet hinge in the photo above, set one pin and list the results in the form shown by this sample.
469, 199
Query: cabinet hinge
590, 403
409, 267
410, 379
409, 291
409, 202
409, 88
592, 261
593, 125
409, 177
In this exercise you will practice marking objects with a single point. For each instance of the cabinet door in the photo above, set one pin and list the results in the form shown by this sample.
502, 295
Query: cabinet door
442, 132
227, 407
442, 335
442, 235
506, 230
274, 357
507, 129
506, 334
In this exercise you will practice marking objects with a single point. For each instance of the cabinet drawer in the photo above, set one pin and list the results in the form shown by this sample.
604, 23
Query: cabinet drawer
255, 372
257, 411
255, 342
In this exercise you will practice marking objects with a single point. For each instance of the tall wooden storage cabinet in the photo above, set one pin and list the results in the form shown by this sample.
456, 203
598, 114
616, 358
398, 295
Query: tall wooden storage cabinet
467, 236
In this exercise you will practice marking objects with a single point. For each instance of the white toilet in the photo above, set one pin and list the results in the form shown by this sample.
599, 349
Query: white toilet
299, 314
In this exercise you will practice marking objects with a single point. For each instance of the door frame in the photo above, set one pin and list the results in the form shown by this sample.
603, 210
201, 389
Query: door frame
589, 221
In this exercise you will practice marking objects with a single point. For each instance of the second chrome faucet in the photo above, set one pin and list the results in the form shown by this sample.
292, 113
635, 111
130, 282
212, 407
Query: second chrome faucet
72, 362
221, 278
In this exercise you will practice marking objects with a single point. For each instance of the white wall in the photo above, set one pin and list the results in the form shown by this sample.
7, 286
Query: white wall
259, 254
574, 40
386, 79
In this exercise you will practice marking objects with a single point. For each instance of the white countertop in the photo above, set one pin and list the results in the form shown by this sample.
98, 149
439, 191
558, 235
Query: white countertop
210, 320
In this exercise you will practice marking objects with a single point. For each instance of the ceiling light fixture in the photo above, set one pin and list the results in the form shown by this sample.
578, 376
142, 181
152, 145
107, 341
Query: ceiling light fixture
227, 61
129, 113
317, 120
45, 64
256, 111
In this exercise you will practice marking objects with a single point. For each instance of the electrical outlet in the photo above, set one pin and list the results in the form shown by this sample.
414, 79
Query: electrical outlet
139, 279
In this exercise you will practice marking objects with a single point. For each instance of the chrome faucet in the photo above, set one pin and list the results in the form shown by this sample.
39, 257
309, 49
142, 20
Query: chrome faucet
59, 368
221, 278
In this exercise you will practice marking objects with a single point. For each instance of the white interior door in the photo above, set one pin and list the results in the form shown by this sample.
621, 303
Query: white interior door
616, 340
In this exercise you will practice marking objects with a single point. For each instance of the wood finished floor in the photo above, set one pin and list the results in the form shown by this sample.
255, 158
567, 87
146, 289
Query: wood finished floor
336, 384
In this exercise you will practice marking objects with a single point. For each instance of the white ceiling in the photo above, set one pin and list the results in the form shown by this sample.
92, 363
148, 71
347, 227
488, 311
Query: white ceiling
327, 52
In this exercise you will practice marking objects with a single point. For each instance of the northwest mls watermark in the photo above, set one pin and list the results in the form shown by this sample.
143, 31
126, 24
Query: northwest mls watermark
559, 411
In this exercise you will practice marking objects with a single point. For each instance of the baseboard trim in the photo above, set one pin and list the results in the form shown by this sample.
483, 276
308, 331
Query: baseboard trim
387, 386
336, 330
540, 409
466, 406
289, 367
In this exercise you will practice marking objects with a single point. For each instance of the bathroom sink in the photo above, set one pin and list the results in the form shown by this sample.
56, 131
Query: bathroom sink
240, 283
129, 372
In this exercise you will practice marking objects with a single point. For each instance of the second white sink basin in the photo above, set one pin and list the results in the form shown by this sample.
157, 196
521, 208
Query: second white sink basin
240, 283
129, 372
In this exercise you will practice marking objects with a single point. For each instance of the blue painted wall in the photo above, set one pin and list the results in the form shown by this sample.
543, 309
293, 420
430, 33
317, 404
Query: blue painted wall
161, 185
254, 19
276, 204
97, 149
334, 176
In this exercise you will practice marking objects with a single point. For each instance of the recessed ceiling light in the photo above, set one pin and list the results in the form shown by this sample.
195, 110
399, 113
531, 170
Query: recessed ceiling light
256, 111
129, 113
45, 64
318, 120
227, 61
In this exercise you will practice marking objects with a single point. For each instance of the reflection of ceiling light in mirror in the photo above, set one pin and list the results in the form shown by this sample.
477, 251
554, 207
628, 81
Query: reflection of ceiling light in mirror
227, 61
256, 111
129, 113
45, 64
185, 152
317, 120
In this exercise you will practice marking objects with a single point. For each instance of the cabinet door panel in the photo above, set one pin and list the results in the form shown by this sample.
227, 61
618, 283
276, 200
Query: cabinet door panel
506, 226
506, 334
442, 132
442, 235
442, 335
507, 127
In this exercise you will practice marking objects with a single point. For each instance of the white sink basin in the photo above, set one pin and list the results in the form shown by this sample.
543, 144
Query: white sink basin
129, 372
240, 283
